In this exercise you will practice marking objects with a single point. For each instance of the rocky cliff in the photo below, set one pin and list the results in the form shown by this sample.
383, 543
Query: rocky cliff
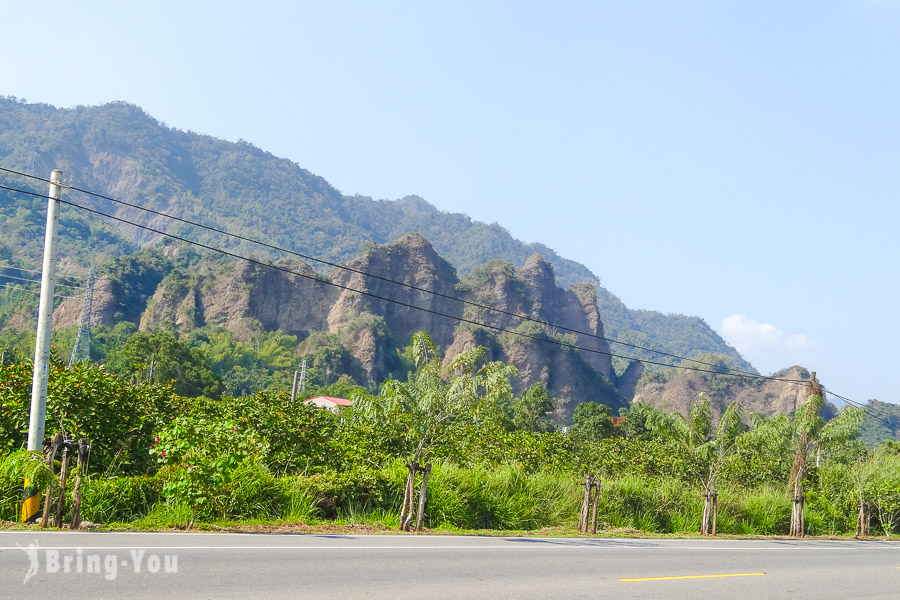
352, 304
678, 390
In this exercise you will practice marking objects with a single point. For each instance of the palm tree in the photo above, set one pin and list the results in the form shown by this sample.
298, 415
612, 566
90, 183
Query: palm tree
434, 399
704, 447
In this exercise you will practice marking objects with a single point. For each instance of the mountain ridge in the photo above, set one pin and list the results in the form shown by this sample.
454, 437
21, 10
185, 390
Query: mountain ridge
121, 151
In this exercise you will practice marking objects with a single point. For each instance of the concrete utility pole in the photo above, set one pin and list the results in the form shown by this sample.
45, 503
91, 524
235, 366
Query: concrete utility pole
42, 343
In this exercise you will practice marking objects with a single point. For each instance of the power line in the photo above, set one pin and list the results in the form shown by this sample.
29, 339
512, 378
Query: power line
385, 279
74, 287
865, 407
732, 373
420, 308
8, 266
35, 271
744, 375
19, 288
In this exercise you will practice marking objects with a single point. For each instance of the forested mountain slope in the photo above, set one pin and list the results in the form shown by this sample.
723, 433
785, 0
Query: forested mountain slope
120, 151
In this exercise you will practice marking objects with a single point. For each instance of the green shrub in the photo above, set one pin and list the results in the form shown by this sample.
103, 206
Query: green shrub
250, 492
357, 489
652, 505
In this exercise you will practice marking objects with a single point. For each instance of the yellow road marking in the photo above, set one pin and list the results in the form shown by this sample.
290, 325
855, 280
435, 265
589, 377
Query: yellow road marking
696, 576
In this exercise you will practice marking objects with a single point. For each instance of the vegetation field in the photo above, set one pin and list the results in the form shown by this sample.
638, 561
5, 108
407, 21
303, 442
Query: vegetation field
161, 459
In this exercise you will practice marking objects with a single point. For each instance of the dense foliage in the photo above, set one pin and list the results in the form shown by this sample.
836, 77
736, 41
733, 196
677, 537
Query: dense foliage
161, 459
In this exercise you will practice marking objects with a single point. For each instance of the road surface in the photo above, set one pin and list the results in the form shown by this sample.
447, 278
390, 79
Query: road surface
247, 566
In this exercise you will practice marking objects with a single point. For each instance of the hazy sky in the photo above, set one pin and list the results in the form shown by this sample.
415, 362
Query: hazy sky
732, 160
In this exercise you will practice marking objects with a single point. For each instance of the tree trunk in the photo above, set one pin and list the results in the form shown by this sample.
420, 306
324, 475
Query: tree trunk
797, 514
862, 521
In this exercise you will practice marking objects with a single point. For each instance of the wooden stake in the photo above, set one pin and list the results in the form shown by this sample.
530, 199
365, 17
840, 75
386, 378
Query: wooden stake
76, 491
715, 510
51, 457
862, 521
704, 523
585, 505
421, 516
406, 493
596, 506
405, 525
61, 502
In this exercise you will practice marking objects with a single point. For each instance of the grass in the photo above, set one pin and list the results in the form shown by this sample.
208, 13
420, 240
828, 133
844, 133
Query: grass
477, 501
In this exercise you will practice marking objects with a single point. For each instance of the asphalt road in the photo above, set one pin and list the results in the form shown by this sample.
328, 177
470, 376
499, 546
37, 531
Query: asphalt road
248, 566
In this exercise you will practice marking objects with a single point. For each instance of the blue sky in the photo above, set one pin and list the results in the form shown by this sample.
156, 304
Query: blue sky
735, 161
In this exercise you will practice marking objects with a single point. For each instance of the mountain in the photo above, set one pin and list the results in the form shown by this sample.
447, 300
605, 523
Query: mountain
120, 151
882, 423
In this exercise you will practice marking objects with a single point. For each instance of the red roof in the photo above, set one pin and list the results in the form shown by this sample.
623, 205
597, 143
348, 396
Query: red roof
340, 401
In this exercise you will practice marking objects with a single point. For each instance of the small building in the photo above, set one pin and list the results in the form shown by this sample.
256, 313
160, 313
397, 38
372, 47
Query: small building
335, 405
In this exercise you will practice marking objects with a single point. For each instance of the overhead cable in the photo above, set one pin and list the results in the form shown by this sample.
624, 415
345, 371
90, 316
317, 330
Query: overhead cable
386, 279
400, 302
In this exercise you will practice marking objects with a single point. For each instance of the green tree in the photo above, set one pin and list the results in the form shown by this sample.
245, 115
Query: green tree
531, 411
435, 402
635, 425
172, 361
344, 387
810, 434
437, 398
85, 401
104, 340
591, 421
882, 489
705, 447
133, 279
809, 437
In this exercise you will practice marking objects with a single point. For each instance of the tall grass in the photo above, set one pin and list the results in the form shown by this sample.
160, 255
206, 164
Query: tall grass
118, 500
10, 498
648, 505
501, 498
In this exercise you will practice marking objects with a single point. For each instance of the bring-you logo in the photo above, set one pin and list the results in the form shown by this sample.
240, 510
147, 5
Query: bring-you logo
108, 566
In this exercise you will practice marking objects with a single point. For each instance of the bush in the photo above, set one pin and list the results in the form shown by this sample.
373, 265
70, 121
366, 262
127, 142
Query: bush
762, 511
356, 490
118, 419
